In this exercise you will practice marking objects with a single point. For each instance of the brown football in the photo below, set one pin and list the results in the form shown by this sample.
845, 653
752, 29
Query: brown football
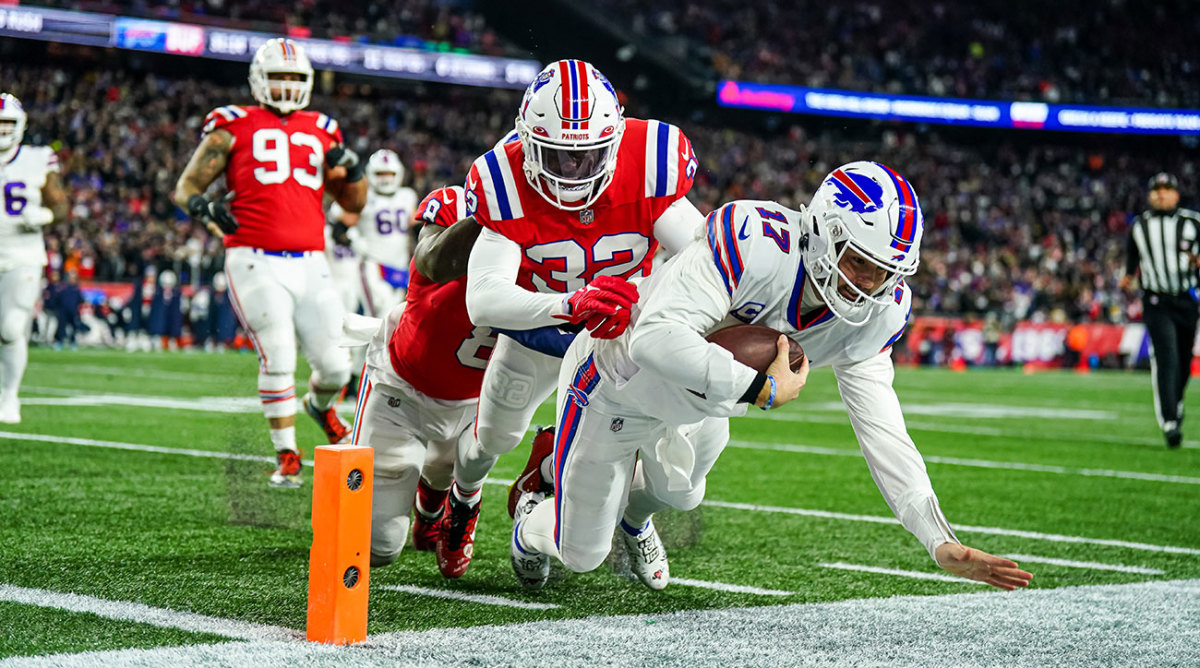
754, 346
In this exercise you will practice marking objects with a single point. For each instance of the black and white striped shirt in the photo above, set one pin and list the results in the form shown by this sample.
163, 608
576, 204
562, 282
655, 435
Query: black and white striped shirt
1160, 243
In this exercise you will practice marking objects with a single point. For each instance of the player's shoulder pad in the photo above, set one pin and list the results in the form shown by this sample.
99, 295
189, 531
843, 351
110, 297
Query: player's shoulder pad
492, 186
441, 207
42, 155
670, 162
329, 125
223, 117
1189, 213
750, 240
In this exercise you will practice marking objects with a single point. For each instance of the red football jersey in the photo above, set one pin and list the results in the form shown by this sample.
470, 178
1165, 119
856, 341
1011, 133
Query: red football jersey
435, 348
564, 250
277, 170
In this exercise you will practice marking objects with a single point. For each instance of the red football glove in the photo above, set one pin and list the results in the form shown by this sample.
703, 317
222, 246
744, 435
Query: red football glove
602, 306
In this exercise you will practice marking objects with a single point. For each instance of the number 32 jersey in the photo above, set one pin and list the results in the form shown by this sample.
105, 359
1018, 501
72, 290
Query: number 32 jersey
276, 167
564, 250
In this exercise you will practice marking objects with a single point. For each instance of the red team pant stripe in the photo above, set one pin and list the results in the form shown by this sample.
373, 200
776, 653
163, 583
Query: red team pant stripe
237, 308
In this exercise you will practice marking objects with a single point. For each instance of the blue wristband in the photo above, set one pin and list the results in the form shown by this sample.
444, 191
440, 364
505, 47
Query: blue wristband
771, 398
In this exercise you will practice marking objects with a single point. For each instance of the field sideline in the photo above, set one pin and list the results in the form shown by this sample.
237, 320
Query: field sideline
138, 525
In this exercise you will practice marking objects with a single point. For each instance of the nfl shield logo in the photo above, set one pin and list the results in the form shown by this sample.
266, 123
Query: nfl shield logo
617, 424
586, 216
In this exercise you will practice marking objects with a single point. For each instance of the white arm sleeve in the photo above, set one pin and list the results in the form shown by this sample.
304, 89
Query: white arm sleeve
687, 300
493, 297
895, 464
681, 224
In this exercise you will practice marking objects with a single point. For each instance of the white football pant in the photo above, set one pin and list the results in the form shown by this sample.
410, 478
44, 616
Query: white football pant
517, 380
19, 288
598, 441
277, 300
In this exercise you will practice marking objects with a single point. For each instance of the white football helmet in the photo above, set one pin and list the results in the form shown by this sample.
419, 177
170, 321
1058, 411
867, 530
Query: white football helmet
281, 56
872, 210
570, 126
385, 172
12, 122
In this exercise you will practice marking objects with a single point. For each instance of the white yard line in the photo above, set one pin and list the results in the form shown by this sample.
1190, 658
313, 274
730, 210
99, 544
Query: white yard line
974, 463
721, 586
799, 417
484, 599
719, 504
1093, 565
995, 531
145, 614
916, 575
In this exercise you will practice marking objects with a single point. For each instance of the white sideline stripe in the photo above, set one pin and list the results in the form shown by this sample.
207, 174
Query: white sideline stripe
980, 411
916, 575
975, 463
995, 531
1170, 549
485, 599
736, 589
1094, 565
1065, 626
138, 612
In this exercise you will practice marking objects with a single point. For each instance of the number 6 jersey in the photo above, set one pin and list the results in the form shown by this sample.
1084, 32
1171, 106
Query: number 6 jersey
276, 167
22, 179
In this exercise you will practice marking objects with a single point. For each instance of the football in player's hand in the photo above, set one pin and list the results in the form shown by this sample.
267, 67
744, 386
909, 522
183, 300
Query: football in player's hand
754, 346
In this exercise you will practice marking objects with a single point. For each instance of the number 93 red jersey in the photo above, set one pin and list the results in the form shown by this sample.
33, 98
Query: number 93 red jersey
435, 347
276, 168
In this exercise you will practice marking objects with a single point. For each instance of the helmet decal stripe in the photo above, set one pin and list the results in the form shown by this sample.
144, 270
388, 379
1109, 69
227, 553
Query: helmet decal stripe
584, 101
906, 228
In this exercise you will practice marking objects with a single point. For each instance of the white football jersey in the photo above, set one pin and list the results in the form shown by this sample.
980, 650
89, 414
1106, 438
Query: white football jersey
21, 182
747, 270
383, 227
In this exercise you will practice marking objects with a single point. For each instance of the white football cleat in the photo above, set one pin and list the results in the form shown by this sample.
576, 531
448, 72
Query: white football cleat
647, 557
10, 410
531, 568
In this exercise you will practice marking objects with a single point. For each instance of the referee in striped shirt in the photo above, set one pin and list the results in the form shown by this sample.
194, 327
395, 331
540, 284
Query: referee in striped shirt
1163, 247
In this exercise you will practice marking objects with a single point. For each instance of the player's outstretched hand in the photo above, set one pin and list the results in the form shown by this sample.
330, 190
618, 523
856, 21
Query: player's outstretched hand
788, 383
972, 564
348, 160
215, 214
602, 306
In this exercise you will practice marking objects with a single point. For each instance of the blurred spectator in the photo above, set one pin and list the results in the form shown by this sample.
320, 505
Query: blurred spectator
65, 298
1080, 51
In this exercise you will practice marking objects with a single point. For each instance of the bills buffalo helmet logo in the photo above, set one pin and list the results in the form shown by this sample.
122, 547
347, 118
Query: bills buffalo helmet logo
857, 192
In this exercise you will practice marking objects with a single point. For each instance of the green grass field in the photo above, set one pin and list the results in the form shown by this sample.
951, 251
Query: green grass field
1067, 470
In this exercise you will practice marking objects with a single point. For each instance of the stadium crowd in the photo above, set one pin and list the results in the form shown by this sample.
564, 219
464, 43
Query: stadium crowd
423, 24
1017, 231
1071, 51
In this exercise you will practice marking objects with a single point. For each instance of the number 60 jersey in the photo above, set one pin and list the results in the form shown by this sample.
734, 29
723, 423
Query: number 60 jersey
276, 167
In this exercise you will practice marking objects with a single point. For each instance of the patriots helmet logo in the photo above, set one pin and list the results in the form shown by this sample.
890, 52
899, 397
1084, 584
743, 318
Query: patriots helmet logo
857, 192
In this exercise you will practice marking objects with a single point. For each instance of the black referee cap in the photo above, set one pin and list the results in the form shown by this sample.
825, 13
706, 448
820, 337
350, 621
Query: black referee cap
1163, 180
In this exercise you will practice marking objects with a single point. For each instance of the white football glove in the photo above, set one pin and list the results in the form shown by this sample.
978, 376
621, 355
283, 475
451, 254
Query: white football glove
34, 218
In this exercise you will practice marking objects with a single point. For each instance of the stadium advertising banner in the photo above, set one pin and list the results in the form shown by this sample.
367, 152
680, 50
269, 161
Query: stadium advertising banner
958, 111
185, 39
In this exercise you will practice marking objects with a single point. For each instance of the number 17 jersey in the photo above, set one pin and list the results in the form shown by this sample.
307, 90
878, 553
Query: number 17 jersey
276, 168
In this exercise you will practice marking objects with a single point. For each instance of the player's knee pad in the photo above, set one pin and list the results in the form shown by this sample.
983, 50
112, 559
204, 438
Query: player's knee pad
331, 368
277, 392
686, 499
14, 324
584, 559
387, 539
